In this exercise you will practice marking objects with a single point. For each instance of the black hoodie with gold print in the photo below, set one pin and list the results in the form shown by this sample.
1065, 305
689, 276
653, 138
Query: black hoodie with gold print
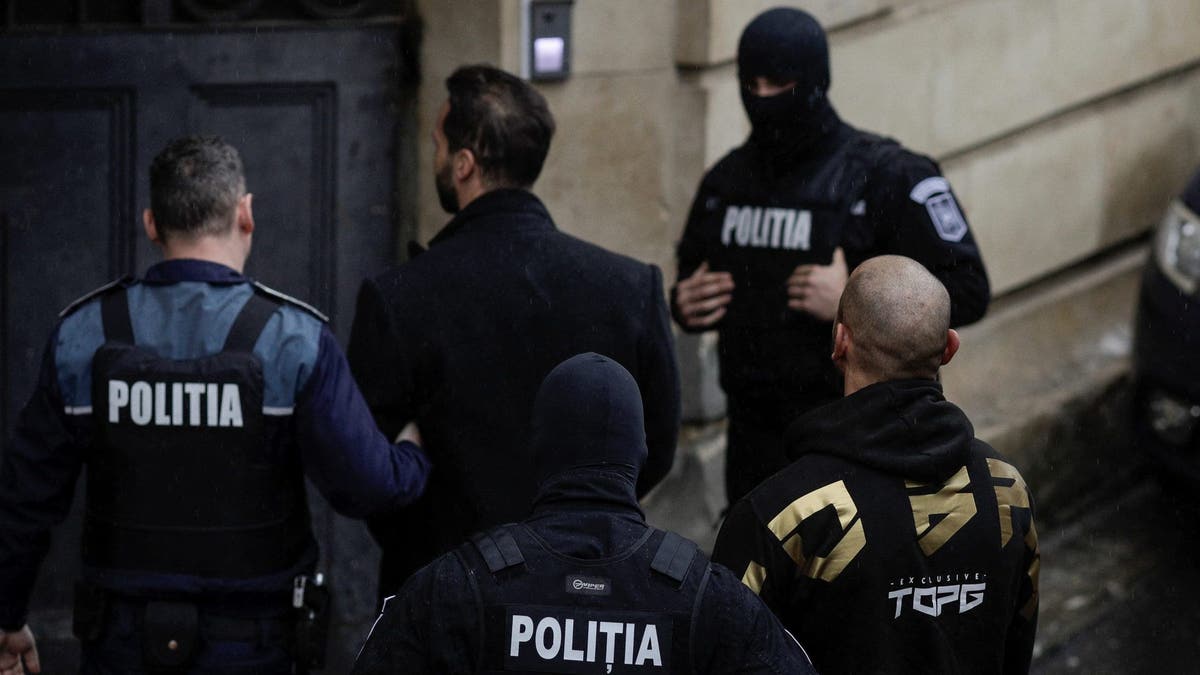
895, 542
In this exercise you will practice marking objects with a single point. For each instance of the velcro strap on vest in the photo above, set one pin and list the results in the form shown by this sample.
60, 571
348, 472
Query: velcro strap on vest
114, 313
499, 549
674, 557
249, 324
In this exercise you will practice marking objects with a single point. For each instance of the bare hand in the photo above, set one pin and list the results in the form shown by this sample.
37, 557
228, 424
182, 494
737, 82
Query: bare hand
816, 289
16, 648
409, 433
703, 297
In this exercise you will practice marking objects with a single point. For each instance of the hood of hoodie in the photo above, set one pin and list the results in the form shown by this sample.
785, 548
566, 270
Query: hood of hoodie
906, 428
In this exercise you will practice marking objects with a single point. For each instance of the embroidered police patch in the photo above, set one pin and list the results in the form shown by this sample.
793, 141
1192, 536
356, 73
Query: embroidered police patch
934, 193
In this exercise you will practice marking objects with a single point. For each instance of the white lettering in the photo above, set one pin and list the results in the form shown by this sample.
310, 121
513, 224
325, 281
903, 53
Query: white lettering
591, 643
177, 404
522, 631
140, 405
649, 651
194, 391
629, 643
761, 234
801, 232
118, 397
946, 595
210, 392
611, 629
898, 596
231, 406
163, 403
760, 227
776, 220
731, 221
160, 405
569, 653
745, 216
548, 626
927, 593
972, 596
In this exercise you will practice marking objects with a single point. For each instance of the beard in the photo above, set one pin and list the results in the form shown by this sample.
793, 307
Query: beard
444, 182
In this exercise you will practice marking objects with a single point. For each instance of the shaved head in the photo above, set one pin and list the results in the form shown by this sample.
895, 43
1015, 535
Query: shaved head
898, 318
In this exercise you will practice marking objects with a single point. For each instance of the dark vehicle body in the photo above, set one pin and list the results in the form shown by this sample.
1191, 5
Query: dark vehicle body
1166, 348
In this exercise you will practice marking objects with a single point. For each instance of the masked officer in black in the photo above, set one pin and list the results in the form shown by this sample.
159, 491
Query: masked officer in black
583, 584
198, 400
778, 221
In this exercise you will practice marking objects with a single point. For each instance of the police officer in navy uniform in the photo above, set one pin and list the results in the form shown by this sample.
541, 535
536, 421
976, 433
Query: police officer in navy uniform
583, 585
197, 400
777, 223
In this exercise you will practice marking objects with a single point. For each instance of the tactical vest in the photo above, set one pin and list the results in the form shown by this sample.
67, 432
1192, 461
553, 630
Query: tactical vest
548, 613
179, 479
768, 221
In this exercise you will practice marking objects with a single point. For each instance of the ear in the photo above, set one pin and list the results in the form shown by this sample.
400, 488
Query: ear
245, 215
841, 345
464, 165
150, 227
952, 344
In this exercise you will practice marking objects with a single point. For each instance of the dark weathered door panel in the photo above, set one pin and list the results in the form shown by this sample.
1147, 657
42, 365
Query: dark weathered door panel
314, 113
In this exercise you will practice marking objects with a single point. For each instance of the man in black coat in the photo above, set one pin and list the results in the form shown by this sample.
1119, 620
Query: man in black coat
459, 338
582, 585
777, 223
893, 526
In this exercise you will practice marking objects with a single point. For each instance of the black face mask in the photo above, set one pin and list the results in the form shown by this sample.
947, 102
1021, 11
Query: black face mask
788, 123
786, 45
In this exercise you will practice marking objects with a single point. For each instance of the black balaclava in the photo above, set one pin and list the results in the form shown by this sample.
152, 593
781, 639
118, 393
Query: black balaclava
785, 44
588, 413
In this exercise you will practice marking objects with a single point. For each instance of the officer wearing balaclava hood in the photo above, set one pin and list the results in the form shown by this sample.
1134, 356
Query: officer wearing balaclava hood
583, 584
777, 224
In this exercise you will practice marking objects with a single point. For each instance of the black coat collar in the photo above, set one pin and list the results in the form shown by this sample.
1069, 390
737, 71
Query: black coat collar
504, 206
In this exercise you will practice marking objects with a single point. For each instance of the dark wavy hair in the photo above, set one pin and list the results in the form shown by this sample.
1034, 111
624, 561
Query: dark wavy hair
502, 120
195, 184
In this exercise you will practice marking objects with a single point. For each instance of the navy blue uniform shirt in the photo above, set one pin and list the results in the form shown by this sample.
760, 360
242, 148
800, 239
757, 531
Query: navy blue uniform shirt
183, 309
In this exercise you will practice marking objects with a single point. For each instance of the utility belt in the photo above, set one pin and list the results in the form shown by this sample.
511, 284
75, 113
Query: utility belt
172, 627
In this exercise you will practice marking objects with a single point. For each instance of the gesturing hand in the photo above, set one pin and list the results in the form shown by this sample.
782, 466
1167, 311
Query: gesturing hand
816, 289
703, 297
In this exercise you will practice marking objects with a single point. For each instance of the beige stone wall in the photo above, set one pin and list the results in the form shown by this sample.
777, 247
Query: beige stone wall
1063, 124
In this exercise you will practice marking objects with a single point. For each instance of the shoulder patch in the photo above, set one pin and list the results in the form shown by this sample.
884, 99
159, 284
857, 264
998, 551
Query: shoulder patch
934, 193
291, 301
122, 282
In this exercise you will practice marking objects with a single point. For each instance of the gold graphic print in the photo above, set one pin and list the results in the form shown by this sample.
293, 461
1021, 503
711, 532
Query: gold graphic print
785, 524
754, 577
950, 501
1010, 492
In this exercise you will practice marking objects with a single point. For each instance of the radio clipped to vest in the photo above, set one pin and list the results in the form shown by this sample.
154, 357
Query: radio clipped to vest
179, 479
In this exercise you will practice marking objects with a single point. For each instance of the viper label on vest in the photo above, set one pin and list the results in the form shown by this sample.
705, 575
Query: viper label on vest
561, 640
762, 227
175, 404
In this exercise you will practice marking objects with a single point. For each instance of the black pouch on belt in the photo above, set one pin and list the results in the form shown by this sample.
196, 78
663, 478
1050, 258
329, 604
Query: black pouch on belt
170, 633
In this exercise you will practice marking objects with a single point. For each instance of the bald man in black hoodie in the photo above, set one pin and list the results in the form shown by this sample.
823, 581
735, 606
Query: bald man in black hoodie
582, 585
895, 541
